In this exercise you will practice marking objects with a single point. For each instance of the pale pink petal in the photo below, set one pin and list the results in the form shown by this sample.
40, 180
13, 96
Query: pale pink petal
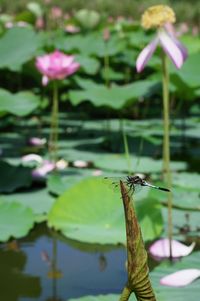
37, 141
97, 172
45, 80
32, 157
42, 63
181, 47
180, 278
160, 248
72, 29
80, 163
171, 48
43, 170
67, 60
145, 55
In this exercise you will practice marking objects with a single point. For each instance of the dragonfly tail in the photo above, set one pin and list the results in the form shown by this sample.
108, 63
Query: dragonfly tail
164, 189
157, 187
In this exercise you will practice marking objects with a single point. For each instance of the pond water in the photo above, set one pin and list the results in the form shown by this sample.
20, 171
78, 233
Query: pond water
45, 267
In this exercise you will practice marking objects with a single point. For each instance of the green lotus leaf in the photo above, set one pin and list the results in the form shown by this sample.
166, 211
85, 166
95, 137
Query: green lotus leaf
14, 177
187, 180
89, 64
89, 211
98, 47
182, 198
17, 46
190, 71
19, 104
87, 18
58, 184
185, 222
92, 212
150, 218
191, 42
115, 97
118, 162
38, 200
15, 220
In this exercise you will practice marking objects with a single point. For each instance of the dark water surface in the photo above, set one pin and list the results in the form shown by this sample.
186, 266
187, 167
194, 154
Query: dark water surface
45, 267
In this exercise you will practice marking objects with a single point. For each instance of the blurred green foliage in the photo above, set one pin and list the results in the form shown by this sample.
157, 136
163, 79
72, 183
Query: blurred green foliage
132, 8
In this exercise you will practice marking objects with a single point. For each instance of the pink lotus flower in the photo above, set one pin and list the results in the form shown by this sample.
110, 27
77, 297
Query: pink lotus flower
56, 65
171, 46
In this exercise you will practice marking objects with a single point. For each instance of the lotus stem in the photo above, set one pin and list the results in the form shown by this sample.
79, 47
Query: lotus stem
166, 145
106, 66
126, 147
53, 141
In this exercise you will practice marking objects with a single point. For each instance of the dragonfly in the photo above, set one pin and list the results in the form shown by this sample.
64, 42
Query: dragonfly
133, 182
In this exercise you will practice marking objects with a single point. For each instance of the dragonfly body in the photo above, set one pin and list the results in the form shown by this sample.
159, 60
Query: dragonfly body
134, 181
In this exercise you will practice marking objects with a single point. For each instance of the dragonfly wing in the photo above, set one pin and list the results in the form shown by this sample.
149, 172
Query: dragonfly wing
114, 182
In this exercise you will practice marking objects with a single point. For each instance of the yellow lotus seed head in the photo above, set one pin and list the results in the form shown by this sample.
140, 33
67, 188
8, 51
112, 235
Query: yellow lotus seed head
157, 16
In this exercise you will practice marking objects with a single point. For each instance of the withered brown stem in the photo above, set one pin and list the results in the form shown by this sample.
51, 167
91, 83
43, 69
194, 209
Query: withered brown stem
138, 271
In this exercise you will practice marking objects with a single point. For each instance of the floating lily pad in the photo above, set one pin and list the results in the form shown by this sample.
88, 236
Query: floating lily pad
187, 180
92, 212
139, 164
185, 222
15, 220
38, 200
182, 198
14, 177
58, 184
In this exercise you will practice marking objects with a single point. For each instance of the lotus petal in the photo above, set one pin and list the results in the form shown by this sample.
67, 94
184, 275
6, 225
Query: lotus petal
32, 157
180, 278
145, 55
43, 170
181, 47
160, 248
172, 49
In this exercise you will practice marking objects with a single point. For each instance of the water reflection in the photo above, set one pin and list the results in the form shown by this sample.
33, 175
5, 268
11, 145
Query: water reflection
15, 282
47, 267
